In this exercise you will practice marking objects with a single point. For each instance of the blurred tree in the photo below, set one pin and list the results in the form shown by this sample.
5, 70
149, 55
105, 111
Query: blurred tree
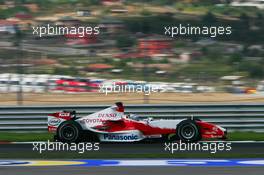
235, 58
204, 50
10, 12
89, 2
125, 41
209, 19
244, 18
145, 12
254, 69
66, 71
259, 16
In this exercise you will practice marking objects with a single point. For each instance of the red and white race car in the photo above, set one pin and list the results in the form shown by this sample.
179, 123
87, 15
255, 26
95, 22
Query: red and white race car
112, 125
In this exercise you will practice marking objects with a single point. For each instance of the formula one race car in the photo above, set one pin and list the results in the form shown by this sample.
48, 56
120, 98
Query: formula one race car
112, 125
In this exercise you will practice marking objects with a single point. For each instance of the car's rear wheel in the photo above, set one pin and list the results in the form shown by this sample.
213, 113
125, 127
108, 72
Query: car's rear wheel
188, 131
69, 131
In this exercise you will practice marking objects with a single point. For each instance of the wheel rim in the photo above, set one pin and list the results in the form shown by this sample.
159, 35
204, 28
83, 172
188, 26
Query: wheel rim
188, 131
68, 132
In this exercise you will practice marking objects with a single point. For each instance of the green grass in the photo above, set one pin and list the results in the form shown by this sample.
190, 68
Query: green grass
246, 136
26, 137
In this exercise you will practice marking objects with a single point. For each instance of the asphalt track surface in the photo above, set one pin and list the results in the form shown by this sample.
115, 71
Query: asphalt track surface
131, 170
250, 147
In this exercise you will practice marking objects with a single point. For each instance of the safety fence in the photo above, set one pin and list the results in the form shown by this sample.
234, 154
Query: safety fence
240, 117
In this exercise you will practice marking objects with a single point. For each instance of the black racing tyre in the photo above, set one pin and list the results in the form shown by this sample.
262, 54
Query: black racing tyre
69, 132
188, 131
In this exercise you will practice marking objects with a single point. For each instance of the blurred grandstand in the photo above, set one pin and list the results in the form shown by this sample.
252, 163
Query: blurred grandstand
42, 83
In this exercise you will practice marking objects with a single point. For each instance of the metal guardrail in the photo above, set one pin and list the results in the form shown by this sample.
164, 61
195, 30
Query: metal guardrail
240, 117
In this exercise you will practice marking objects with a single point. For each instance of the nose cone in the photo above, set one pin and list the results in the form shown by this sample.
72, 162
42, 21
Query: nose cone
224, 130
212, 131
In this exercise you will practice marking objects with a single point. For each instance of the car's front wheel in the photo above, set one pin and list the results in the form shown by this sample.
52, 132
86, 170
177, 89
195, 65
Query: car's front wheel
188, 131
69, 131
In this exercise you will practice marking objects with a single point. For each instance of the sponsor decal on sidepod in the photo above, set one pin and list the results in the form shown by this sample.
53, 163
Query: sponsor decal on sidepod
54, 122
106, 115
120, 137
